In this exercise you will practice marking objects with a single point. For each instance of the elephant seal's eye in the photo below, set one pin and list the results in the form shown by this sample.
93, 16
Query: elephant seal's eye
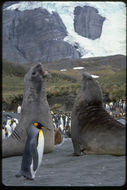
33, 73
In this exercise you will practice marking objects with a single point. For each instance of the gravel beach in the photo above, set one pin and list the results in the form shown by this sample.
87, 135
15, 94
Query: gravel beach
60, 168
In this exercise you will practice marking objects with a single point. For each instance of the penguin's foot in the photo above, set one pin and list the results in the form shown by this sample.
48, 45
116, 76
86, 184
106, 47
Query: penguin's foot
29, 178
25, 175
18, 174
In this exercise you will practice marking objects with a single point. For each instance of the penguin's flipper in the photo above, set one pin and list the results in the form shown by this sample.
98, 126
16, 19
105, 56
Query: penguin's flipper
34, 155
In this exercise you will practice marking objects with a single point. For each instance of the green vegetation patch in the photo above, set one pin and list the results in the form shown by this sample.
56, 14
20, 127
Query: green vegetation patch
9, 68
114, 85
13, 85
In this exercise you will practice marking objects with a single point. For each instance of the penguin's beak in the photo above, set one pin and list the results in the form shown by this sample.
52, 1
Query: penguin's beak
45, 128
40, 126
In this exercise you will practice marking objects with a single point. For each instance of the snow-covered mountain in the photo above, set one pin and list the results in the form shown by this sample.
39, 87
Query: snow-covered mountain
113, 38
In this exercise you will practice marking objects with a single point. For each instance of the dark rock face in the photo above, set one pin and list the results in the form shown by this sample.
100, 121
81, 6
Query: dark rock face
87, 22
35, 36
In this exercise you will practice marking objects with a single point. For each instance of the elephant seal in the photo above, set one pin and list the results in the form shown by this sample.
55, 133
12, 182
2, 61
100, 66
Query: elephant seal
34, 108
93, 130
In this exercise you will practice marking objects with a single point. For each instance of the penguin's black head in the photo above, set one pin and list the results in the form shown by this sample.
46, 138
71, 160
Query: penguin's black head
38, 125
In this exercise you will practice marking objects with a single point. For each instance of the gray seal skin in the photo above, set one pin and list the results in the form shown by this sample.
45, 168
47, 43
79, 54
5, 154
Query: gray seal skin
93, 130
34, 108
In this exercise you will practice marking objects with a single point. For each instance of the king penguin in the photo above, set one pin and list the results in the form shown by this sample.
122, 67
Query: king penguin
33, 152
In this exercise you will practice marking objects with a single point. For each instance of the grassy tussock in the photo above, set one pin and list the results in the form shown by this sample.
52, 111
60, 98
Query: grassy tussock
114, 85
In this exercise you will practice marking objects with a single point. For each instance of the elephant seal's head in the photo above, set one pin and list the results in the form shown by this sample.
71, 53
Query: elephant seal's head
34, 78
36, 74
91, 90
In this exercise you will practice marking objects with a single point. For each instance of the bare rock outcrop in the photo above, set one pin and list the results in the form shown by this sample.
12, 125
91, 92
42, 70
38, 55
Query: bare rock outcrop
87, 22
32, 36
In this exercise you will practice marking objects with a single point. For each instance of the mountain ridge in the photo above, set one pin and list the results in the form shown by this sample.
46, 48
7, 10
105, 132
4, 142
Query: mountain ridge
68, 44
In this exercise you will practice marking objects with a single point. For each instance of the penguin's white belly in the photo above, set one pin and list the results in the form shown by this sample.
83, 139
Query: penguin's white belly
3, 134
40, 150
8, 128
61, 124
40, 147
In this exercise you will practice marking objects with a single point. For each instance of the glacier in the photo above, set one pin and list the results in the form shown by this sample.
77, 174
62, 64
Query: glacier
113, 37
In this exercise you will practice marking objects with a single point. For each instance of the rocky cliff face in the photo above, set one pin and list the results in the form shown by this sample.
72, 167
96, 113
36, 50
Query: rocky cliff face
31, 36
87, 22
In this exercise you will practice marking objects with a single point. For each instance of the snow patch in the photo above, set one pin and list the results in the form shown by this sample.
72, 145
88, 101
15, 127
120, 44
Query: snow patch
95, 76
63, 70
78, 68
